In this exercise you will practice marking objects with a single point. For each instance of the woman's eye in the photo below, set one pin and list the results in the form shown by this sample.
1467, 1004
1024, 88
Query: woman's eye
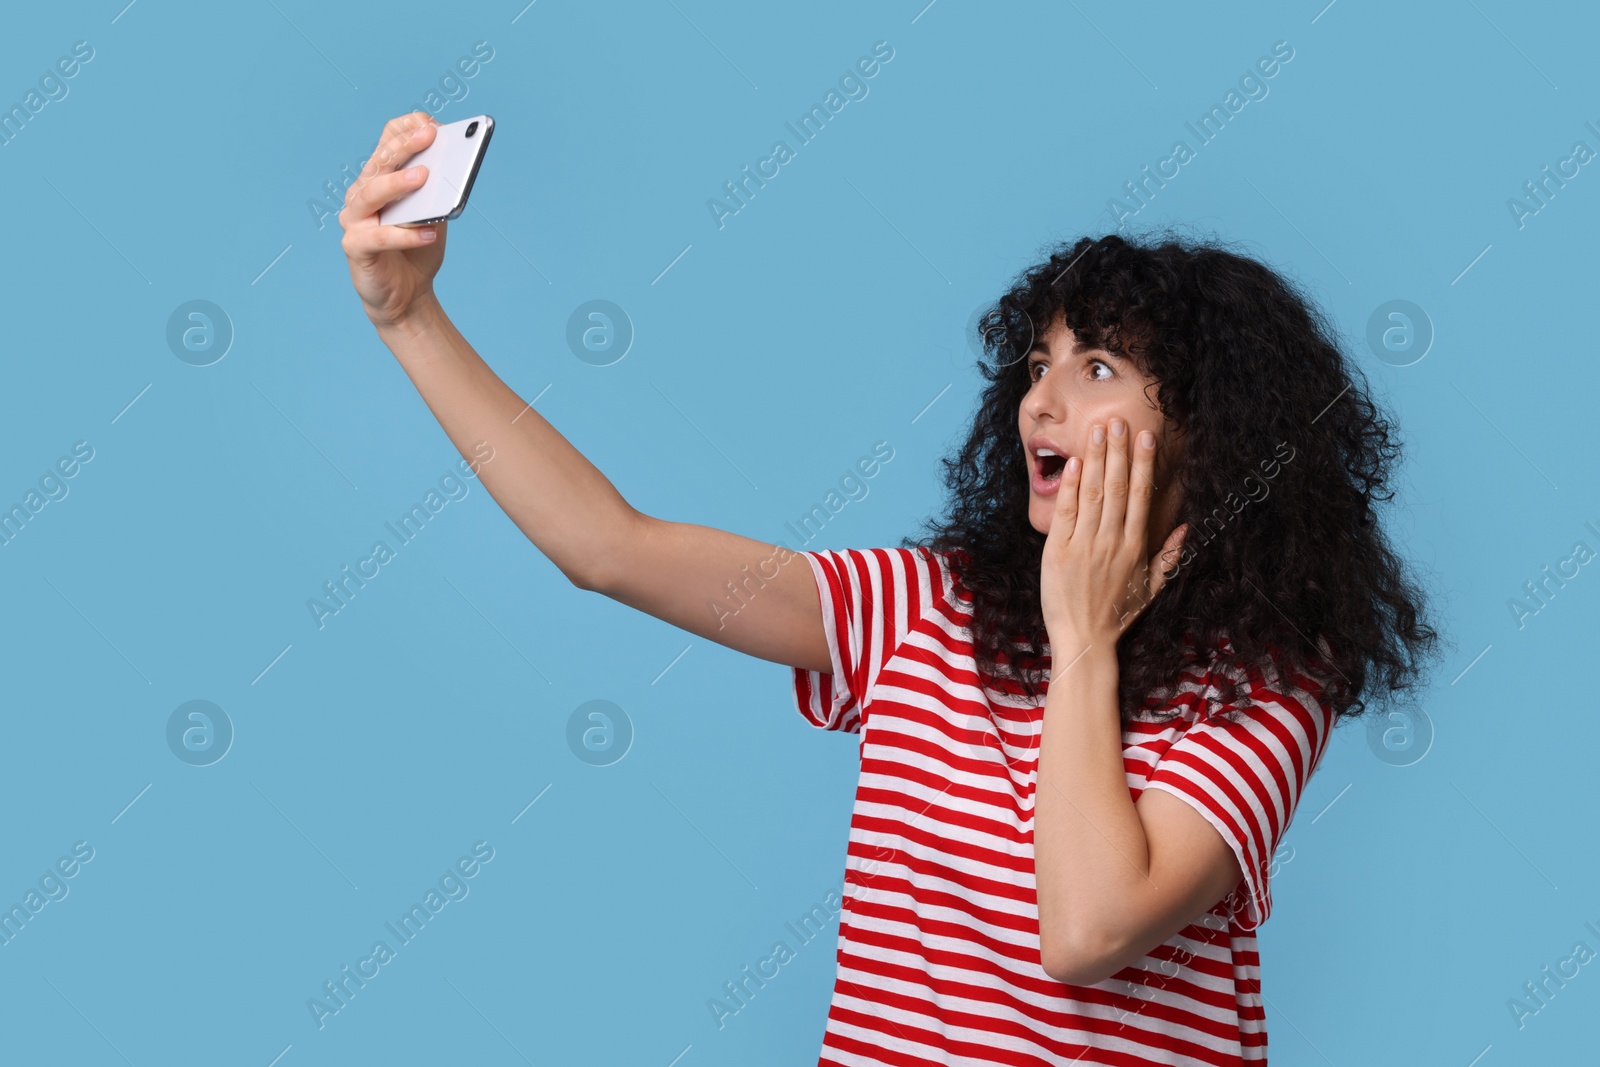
1039, 366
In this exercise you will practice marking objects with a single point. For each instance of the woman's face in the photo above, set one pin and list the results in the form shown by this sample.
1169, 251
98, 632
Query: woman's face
1075, 388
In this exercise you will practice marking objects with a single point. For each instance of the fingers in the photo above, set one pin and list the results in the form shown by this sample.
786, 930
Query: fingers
1091, 488
363, 199
1141, 487
1166, 558
402, 138
404, 123
1113, 512
1066, 516
370, 239
1172, 549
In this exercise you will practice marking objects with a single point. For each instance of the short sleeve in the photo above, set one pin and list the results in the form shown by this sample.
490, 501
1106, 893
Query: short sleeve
1244, 771
871, 599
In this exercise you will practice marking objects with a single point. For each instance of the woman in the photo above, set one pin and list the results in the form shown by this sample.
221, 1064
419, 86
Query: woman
1169, 482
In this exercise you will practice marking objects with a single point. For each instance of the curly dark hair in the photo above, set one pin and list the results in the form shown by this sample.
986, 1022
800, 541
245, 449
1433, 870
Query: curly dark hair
1253, 377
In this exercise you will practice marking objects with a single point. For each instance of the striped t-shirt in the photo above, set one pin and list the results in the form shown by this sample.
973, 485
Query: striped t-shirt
938, 952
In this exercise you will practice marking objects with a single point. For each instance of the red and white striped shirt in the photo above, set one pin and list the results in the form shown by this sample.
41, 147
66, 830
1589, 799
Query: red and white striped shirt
938, 951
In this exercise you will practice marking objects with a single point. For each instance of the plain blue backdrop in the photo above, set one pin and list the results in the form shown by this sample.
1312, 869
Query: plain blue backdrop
1428, 875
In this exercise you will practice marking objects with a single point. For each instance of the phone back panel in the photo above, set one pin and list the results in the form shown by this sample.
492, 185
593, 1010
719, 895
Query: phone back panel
452, 161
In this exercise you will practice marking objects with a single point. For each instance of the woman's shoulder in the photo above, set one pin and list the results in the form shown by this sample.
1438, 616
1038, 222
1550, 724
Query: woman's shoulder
937, 569
1224, 683
917, 576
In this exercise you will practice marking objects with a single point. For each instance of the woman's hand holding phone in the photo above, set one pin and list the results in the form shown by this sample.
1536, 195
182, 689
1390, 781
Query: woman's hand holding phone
392, 267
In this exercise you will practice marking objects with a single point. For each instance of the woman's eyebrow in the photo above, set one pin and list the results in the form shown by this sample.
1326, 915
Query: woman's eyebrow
1095, 353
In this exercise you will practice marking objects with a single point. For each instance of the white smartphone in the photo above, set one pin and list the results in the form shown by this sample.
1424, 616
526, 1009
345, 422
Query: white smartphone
452, 160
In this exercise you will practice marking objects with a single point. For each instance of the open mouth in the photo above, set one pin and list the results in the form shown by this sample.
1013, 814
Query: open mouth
1050, 466
1046, 465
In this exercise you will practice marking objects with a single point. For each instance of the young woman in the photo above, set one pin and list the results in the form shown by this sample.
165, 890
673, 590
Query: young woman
1169, 484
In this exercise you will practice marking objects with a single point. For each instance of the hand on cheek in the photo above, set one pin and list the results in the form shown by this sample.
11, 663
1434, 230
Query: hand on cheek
1096, 576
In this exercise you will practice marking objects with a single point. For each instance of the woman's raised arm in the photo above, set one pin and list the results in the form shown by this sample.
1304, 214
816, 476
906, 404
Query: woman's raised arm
755, 597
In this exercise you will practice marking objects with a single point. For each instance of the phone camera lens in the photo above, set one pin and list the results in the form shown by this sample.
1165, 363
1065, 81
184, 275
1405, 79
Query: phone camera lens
472, 128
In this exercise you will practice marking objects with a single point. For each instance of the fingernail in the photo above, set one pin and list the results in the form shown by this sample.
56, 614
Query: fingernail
416, 135
1118, 428
428, 235
413, 173
1147, 439
1099, 434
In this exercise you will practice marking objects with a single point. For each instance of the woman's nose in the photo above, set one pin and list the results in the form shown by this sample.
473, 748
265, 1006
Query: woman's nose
1043, 398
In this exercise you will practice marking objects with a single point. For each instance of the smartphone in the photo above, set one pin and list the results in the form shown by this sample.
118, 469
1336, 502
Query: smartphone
452, 160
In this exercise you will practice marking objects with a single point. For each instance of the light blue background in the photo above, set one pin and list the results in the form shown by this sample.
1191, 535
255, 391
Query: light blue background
827, 315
